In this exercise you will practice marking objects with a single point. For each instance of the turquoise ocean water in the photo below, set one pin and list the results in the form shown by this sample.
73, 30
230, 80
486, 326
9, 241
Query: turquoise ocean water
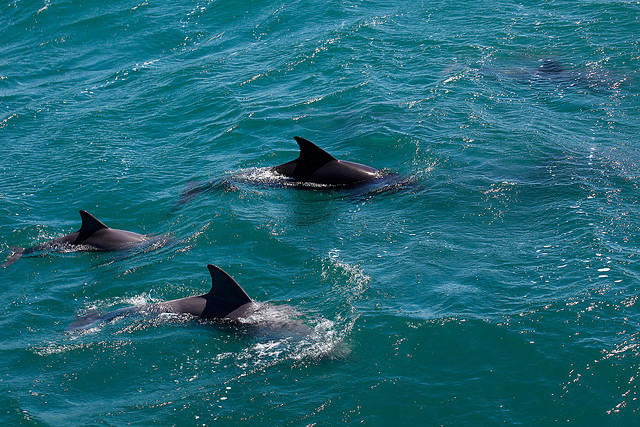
499, 285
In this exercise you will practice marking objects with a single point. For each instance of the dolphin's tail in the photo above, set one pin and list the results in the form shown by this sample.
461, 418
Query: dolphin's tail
15, 255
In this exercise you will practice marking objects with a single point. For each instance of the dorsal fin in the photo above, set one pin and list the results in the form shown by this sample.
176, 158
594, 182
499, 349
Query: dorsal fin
223, 286
310, 152
90, 225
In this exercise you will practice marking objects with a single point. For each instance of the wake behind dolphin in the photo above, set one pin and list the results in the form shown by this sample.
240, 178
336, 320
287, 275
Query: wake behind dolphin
93, 235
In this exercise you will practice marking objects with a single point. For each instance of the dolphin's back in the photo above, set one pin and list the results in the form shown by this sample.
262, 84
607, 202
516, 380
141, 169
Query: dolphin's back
225, 297
317, 166
311, 158
96, 234
111, 239
90, 225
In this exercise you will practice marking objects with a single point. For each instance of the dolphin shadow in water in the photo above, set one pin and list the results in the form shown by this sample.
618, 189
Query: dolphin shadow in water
226, 302
314, 169
554, 72
93, 236
549, 67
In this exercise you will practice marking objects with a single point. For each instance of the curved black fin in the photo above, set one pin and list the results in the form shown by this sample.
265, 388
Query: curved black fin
310, 152
223, 286
90, 225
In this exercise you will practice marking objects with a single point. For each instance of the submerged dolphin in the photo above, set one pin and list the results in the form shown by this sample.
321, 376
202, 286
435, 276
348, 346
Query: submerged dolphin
555, 72
549, 67
92, 236
226, 300
314, 165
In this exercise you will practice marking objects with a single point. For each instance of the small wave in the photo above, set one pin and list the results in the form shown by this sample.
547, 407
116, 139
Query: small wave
270, 177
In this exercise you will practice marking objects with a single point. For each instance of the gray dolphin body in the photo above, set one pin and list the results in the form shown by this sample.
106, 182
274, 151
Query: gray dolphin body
314, 168
92, 236
314, 165
226, 300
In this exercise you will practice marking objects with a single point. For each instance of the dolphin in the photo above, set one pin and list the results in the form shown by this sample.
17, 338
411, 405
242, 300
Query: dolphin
555, 72
314, 165
314, 168
225, 301
92, 236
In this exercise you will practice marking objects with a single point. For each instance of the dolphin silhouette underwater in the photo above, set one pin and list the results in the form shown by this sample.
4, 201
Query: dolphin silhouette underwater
93, 235
226, 301
554, 72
